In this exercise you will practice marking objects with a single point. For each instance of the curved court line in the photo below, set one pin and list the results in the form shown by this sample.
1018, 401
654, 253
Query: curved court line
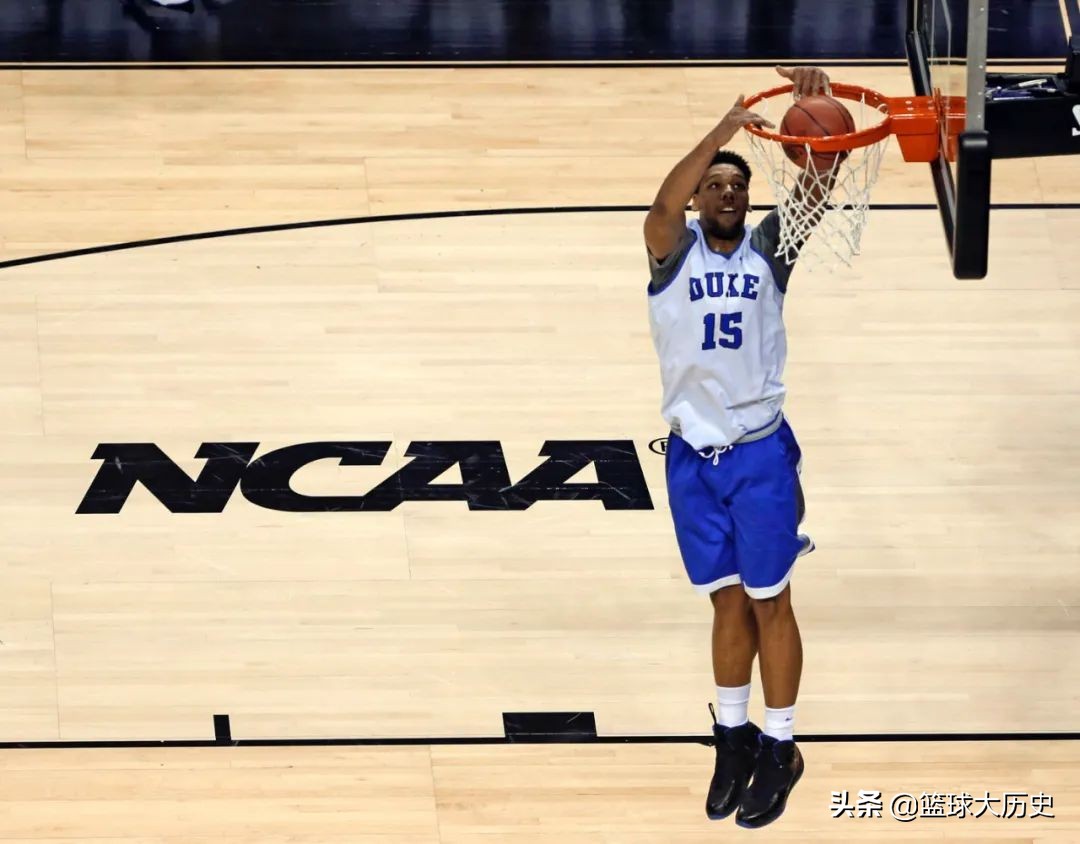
443, 215
489, 740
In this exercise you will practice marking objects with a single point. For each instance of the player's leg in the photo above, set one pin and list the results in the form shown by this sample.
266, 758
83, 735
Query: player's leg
703, 530
734, 645
779, 764
766, 511
734, 638
781, 660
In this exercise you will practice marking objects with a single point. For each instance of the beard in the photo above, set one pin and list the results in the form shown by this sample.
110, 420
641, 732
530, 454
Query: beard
717, 230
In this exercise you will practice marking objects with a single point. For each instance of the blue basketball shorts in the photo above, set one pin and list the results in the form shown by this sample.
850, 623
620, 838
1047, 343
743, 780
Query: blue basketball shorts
737, 512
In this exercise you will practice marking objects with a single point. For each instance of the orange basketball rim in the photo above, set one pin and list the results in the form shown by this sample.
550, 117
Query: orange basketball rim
915, 121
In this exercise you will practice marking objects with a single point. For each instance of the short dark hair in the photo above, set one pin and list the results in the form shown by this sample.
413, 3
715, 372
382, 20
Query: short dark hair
726, 156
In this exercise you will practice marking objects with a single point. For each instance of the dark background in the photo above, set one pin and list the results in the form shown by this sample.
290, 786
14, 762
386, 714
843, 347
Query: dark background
491, 30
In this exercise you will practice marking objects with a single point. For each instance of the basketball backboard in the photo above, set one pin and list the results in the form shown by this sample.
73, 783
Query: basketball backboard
947, 49
994, 115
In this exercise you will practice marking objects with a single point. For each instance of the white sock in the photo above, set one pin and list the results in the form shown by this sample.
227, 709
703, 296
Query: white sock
733, 704
780, 723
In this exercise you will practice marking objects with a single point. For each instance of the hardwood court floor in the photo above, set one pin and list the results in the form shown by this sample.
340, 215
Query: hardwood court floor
937, 420
638, 794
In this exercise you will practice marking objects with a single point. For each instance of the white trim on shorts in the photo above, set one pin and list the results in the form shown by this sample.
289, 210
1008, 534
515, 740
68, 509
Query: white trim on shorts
760, 593
709, 588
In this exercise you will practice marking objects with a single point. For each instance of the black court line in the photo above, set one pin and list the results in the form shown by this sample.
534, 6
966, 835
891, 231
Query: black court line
444, 215
1057, 61
524, 728
437, 741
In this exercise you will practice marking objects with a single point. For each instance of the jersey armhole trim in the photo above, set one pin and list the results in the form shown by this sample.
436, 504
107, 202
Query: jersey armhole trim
656, 291
780, 269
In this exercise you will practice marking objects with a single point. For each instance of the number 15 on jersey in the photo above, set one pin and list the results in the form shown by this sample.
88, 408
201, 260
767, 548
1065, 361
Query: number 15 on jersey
730, 336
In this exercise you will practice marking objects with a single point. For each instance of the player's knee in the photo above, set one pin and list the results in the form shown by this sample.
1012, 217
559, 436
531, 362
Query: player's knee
730, 600
767, 610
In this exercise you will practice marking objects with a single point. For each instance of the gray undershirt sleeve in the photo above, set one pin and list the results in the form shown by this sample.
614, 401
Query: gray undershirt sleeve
663, 272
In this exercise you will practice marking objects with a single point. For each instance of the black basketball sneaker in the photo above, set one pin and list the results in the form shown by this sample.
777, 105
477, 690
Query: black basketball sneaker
779, 766
736, 752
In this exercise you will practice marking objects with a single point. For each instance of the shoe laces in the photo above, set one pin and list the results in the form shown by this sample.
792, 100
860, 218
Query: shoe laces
715, 452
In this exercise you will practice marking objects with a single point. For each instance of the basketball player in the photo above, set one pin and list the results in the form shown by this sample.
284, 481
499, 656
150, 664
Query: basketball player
716, 302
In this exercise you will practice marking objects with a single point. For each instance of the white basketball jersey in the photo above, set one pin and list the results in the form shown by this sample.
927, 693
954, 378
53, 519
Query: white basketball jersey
718, 328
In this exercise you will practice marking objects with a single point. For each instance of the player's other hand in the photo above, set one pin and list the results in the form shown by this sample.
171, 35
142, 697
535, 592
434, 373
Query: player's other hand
738, 117
807, 80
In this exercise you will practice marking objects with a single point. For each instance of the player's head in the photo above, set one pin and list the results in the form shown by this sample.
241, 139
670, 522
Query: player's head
723, 196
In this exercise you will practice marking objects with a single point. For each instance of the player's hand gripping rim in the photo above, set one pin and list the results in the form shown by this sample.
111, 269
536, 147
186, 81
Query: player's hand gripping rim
739, 116
807, 81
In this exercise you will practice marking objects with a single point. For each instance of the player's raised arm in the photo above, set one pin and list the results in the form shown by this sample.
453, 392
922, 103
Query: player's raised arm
666, 220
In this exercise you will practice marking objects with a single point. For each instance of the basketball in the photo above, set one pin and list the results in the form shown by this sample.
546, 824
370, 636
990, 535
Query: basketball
816, 117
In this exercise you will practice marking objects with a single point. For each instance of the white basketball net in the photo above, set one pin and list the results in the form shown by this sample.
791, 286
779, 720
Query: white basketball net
837, 223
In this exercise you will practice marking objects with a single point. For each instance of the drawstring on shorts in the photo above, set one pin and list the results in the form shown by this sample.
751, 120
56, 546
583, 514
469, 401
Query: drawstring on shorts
715, 453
